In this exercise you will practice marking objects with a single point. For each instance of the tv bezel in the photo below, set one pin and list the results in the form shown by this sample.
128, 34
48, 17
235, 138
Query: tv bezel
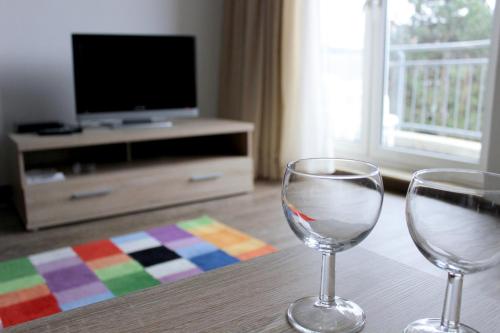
121, 116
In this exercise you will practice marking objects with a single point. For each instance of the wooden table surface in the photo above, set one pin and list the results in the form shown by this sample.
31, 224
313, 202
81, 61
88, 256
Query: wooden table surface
253, 297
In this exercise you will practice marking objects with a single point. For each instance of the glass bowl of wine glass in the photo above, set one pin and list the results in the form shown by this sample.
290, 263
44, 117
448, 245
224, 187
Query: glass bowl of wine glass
331, 205
453, 216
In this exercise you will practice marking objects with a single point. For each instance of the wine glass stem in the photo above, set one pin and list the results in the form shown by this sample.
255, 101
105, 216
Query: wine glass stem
327, 288
452, 301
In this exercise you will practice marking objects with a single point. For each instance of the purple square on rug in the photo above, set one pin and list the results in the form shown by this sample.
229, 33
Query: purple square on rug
180, 275
184, 242
81, 292
70, 277
169, 233
56, 265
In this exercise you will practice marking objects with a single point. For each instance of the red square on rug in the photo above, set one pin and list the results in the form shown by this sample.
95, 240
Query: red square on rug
96, 250
29, 310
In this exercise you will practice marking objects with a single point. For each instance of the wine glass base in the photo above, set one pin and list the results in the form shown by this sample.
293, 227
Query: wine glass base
433, 325
342, 316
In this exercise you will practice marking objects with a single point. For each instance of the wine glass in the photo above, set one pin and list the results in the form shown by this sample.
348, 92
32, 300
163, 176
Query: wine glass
331, 205
453, 217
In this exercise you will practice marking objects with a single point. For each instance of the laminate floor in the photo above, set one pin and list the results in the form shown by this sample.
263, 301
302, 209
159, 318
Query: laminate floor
258, 213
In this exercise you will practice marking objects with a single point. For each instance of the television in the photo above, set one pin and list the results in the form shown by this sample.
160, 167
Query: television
126, 79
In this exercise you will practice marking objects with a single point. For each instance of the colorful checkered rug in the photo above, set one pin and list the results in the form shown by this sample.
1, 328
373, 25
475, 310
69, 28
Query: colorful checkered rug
60, 280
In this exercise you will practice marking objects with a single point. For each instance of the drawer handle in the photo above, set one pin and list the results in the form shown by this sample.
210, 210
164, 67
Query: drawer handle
91, 194
207, 176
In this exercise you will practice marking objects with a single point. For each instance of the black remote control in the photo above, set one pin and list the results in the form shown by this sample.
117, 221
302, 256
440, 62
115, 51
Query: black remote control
64, 130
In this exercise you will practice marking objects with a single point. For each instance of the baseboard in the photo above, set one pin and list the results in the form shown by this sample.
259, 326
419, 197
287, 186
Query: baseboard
396, 181
395, 185
5, 194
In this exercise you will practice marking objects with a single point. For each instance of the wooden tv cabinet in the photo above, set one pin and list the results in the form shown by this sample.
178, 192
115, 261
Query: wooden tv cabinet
131, 169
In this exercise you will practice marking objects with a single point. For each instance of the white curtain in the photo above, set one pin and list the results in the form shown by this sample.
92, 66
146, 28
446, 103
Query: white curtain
307, 125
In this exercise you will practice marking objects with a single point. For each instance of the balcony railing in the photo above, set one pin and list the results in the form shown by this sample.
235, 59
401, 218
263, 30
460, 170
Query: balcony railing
438, 88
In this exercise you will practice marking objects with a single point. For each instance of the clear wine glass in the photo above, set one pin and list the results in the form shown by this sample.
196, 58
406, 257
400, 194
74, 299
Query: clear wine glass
454, 219
331, 205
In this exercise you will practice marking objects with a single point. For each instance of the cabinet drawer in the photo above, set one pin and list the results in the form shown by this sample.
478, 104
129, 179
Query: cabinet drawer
136, 188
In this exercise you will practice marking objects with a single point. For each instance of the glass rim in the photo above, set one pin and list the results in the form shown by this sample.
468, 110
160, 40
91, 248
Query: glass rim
436, 184
374, 172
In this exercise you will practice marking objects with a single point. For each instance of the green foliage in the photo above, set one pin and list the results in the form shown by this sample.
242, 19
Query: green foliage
445, 21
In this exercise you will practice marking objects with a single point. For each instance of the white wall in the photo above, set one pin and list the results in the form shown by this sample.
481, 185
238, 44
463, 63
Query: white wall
36, 74
3, 171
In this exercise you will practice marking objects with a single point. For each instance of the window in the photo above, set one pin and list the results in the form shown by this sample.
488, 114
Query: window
408, 79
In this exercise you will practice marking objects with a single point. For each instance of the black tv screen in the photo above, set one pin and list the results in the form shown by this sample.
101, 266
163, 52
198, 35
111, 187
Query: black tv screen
116, 73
